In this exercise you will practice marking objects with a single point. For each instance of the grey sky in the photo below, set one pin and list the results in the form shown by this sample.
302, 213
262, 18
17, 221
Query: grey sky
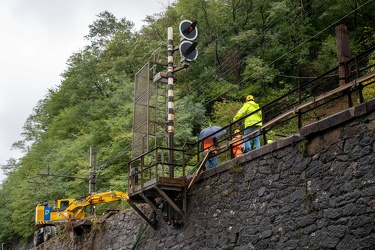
37, 38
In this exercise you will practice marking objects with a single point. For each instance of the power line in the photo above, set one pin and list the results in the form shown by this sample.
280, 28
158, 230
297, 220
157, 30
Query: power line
304, 77
329, 26
243, 48
296, 46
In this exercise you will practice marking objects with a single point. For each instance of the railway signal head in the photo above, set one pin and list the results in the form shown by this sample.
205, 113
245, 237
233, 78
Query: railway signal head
188, 33
188, 30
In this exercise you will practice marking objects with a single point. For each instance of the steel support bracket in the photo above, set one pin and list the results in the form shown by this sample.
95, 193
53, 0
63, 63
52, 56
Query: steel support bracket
152, 224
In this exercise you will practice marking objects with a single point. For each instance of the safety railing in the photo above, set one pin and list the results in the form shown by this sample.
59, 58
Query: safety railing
309, 102
156, 168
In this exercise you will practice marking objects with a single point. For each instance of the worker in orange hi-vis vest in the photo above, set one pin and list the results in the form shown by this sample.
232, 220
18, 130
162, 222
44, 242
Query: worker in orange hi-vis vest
237, 147
210, 144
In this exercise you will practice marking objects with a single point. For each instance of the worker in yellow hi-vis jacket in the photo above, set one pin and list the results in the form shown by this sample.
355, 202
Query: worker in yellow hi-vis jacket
252, 122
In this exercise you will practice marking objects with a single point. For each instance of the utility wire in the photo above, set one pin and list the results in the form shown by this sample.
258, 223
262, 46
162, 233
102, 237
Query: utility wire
298, 45
320, 32
256, 50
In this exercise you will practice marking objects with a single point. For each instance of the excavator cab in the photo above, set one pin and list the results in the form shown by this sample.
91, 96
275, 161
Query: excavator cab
63, 204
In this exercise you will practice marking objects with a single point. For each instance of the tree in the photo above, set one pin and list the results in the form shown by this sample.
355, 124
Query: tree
104, 29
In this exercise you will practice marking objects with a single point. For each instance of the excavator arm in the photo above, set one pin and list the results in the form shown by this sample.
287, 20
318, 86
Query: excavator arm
96, 198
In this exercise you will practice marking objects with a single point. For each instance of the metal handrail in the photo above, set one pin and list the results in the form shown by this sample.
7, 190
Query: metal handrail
151, 165
300, 102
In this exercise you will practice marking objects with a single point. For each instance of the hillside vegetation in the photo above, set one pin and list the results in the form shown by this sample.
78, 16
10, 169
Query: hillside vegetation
263, 48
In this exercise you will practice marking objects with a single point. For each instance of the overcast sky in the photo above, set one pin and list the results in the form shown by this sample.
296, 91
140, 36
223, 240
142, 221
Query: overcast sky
37, 38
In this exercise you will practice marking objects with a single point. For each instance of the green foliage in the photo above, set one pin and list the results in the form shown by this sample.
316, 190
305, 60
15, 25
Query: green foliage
263, 48
224, 112
257, 76
369, 92
369, 89
106, 27
327, 58
190, 117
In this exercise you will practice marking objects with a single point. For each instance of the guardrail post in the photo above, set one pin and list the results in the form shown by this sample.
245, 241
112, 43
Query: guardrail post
343, 51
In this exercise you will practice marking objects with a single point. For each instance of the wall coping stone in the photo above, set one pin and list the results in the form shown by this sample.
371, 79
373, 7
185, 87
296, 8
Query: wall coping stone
370, 105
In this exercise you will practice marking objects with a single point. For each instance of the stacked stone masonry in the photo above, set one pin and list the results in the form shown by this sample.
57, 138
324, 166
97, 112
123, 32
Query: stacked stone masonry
313, 190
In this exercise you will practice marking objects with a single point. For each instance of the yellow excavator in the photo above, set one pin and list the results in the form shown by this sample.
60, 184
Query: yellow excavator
48, 217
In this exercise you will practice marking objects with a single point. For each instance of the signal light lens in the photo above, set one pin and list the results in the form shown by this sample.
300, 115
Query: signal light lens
188, 50
188, 30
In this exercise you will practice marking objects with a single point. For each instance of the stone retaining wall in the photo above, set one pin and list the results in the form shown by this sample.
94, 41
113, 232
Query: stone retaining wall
314, 190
